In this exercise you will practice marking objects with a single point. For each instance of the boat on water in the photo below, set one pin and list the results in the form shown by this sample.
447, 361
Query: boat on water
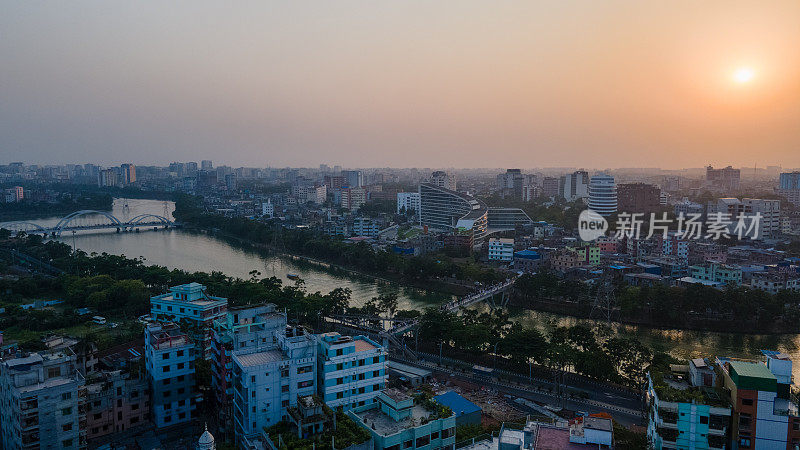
292, 276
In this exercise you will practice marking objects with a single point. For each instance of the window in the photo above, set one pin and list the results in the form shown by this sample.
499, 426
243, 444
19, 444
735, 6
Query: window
165, 369
285, 403
339, 395
376, 373
66, 426
180, 377
376, 360
167, 381
339, 380
66, 411
167, 419
167, 393
97, 416
304, 384
339, 366
53, 372
408, 444
134, 407
67, 443
703, 420
360, 362
283, 388
182, 415
304, 369
179, 353
435, 435
747, 401
252, 378
180, 366
423, 441
181, 390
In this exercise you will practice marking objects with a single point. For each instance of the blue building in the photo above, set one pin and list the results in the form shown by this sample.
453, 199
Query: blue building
190, 303
396, 423
352, 370
169, 360
467, 413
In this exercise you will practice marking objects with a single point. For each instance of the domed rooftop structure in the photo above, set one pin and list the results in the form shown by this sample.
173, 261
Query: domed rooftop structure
206, 441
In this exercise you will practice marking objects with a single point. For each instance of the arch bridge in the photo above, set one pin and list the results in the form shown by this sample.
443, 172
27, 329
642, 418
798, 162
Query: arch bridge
88, 219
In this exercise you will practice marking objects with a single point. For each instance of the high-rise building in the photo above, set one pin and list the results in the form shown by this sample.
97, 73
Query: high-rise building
269, 381
268, 209
515, 184
43, 400
207, 165
789, 187
191, 303
242, 329
352, 370
603, 195
353, 178
408, 202
127, 173
550, 186
638, 198
574, 186
353, 198
765, 412
730, 210
726, 179
14, 194
107, 177
443, 179
169, 361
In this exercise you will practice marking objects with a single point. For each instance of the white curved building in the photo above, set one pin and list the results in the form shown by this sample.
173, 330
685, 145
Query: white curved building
603, 194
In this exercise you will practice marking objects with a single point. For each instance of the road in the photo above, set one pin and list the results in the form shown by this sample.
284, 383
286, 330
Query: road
623, 405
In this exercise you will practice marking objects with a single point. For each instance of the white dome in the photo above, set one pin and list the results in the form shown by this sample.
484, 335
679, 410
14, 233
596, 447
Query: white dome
206, 441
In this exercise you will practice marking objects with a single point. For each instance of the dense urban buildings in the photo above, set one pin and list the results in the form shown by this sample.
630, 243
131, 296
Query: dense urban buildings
574, 186
641, 198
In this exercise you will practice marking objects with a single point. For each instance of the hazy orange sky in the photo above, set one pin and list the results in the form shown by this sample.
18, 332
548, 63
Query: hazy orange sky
406, 83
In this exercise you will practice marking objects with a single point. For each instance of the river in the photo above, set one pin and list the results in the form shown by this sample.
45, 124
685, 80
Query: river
193, 251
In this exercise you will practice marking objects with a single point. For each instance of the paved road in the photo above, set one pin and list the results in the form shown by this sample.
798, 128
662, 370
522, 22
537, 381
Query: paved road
622, 407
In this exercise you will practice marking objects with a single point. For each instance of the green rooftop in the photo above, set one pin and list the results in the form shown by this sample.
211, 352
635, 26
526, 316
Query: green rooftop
753, 376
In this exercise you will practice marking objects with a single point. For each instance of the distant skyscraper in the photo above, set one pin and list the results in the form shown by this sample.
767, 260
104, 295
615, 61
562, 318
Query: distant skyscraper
638, 198
550, 186
603, 194
443, 179
206, 164
790, 187
353, 178
574, 185
107, 177
128, 173
515, 184
726, 179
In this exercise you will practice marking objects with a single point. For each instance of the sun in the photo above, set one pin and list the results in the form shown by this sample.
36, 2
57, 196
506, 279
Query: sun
743, 75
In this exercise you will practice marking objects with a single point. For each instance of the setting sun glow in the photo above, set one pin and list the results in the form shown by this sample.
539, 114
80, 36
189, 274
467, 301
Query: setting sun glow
743, 75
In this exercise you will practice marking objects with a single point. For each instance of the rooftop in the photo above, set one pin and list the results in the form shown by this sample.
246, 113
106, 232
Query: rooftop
362, 345
384, 425
259, 358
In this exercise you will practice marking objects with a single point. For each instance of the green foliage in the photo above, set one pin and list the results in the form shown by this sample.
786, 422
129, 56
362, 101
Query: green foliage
347, 433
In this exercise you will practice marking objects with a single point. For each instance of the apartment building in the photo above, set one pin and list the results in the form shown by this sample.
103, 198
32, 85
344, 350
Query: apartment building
42, 401
242, 329
686, 410
190, 302
267, 382
116, 401
717, 273
765, 416
352, 370
775, 282
408, 202
396, 422
501, 249
169, 361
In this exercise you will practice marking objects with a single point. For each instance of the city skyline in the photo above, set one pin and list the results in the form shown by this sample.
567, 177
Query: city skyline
551, 84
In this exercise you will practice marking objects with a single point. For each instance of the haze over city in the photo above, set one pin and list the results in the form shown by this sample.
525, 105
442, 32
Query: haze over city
402, 84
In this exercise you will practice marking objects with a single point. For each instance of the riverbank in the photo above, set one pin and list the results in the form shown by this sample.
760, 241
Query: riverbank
435, 285
695, 322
